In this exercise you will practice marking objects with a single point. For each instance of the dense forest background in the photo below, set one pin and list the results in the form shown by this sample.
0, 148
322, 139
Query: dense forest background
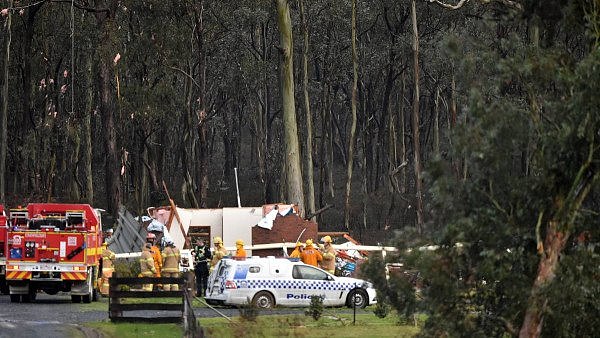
107, 99
471, 125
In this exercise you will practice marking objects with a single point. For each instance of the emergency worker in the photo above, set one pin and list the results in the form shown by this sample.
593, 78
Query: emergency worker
202, 256
171, 257
310, 255
109, 236
219, 252
147, 265
328, 262
151, 238
107, 268
297, 250
239, 249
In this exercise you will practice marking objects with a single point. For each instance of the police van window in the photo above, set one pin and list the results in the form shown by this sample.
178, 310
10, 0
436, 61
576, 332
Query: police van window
254, 269
308, 272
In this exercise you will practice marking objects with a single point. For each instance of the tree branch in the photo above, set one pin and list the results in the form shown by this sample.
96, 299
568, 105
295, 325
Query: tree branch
84, 7
508, 3
449, 6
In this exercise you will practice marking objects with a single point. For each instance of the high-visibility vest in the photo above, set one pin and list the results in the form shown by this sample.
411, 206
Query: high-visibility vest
310, 256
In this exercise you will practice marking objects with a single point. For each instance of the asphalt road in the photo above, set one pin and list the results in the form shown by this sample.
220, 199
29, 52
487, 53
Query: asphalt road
55, 316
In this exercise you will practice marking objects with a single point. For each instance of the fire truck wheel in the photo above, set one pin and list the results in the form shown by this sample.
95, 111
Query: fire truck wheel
75, 298
32, 295
90, 287
15, 298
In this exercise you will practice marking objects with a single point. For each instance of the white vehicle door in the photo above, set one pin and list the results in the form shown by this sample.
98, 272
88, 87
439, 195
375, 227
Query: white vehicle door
217, 278
310, 281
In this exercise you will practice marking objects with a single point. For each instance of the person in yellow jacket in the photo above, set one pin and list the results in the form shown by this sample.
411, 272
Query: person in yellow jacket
328, 262
297, 251
147, 265
171, 257
310, 255
107, 268
219, 253
239, 249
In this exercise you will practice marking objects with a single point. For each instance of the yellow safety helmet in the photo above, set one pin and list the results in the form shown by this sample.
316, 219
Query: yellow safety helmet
217, 240
327, 239
298, 244
239, 242
309, 242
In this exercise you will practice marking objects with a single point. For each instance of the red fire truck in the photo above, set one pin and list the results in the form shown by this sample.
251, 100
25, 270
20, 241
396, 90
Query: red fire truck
53, 247
3, 229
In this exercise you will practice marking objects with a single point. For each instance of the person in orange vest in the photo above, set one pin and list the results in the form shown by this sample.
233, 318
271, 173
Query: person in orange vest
328, 262
107, 268
171, 257
297, 250
310, 255
147, 265
151, 238
239, 249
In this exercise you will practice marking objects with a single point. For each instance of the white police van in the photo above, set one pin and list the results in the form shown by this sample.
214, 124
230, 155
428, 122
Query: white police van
268, 281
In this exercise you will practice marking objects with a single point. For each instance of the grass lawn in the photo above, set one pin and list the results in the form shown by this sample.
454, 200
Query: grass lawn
330, 326
136, 330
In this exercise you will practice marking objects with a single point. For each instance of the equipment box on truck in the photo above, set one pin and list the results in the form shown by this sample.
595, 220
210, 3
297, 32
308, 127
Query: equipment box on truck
268, 281
53, 247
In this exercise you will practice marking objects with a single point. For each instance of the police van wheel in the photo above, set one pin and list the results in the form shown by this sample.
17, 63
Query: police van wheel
359, 298
263, 300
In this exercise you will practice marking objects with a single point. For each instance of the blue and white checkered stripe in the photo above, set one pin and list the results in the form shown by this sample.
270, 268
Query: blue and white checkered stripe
292, 284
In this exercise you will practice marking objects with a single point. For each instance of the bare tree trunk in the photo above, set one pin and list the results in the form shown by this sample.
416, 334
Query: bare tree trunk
202, 168
73, 183
263, 116
4, 112
436, 122
403, 179
554, 244
353, 125
310, 199
87, 133
108, 108
415, 124
188, 151
295, 191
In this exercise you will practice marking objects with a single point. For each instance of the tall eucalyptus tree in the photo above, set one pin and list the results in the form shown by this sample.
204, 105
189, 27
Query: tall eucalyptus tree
293, 169
4, 111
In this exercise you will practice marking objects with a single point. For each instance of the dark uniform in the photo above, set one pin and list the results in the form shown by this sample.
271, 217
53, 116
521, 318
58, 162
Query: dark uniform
202, 257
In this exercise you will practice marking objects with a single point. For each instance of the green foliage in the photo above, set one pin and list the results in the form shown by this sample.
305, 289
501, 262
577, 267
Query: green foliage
397, 288
249, 312
315, 309
127, 268
530, 145
382, 309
